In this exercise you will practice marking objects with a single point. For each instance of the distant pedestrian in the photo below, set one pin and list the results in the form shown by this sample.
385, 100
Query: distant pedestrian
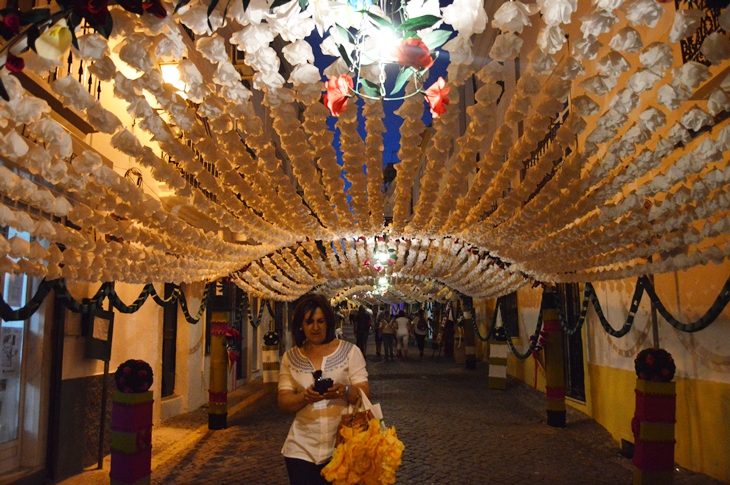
363, 323
379, 331
402, 332
448, 338
421, 331
387, 328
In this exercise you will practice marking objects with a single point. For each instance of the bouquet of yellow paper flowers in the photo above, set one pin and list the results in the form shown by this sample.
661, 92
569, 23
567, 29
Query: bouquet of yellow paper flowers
367, 456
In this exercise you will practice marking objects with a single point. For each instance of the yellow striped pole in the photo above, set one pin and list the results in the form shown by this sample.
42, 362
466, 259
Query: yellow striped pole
497, 364
218, 389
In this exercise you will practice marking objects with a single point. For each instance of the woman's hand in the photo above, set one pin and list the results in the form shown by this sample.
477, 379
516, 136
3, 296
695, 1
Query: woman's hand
335, 392
312, 396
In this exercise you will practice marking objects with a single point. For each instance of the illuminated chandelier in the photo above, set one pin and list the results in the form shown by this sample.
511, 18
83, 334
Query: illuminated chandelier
375, 36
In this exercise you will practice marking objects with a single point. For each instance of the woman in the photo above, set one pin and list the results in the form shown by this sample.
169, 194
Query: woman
388, 332
362, 331
402, 332
311, 439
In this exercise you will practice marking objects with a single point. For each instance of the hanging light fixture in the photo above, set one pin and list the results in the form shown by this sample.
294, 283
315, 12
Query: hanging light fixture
382, 35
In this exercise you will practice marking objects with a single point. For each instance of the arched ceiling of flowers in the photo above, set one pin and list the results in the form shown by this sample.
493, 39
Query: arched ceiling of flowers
605, 159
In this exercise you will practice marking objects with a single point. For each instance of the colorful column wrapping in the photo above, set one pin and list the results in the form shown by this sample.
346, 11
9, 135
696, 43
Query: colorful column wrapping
497, 365
653, 427
554, 370
218, 390
131, 438
270, 358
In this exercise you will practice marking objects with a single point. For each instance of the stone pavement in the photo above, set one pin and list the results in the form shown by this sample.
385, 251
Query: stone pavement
455, 429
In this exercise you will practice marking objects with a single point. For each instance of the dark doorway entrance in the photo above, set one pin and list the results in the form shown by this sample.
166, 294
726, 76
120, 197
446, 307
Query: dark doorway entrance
569, 301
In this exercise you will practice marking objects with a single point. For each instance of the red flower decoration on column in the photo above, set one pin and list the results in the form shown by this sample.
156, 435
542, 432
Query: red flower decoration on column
413, 53
338, 90
436, 97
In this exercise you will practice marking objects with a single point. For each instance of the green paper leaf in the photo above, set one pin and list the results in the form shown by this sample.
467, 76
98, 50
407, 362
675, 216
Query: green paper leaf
378, 20
344, 32
182, 3
402, 79
369, 87
418, 23
33, 34
35, 16
278, 3
345, 56
3, 92
213, 4
225, 10
436, 39
303, 4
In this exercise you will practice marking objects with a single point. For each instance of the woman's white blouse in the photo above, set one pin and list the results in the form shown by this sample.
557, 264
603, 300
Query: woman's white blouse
313, 433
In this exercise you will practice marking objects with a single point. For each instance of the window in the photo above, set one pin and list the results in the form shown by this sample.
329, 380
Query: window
169, 344
509, 313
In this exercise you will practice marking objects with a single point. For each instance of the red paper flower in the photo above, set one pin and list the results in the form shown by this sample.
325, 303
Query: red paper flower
436, 97
413, 53
338, 90
94, 11
14, 63
11, 22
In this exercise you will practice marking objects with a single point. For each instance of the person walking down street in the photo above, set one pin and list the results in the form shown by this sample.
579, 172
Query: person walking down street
318, 403
421, 331
387, 328
448, 338
363, 323
383, 315
402, 333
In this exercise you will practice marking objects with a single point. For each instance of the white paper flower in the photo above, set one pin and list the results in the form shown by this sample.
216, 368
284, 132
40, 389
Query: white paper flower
226, 74
466, 16
460, 50
39, 65
585, 106
127, 143
587, 47
696, 118
134, 52
626, 40
642, 80
612, 64
304, 74
551, 39
608, 5
506, 47
669, 97
19, 247
102, 119
643, 12
104, 69
290, 22
73, 93
27, 109
238, 93
625, 101
212, 48
541, 62
254, 13
196, 19
598, 22
92, 47
598, 85
686, 23
555, 12
718, 102
513, 16
652, 119
569, 69
12, 145
690, 75
171, 47
299, 52
716, 48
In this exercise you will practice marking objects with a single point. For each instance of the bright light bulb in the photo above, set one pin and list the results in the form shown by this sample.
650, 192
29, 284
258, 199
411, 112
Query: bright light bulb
382, 257
386, 41
171, 75
383, 281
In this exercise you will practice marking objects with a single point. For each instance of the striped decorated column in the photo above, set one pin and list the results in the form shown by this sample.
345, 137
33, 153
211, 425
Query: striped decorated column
498, 360
131, 438
218, 389
270, 359
653, 427
554, 371
654, 417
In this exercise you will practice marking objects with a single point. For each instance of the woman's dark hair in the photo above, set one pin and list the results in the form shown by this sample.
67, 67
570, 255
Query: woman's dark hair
306, 306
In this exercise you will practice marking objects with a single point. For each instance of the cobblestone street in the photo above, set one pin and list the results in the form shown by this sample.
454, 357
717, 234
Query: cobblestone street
455, 429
